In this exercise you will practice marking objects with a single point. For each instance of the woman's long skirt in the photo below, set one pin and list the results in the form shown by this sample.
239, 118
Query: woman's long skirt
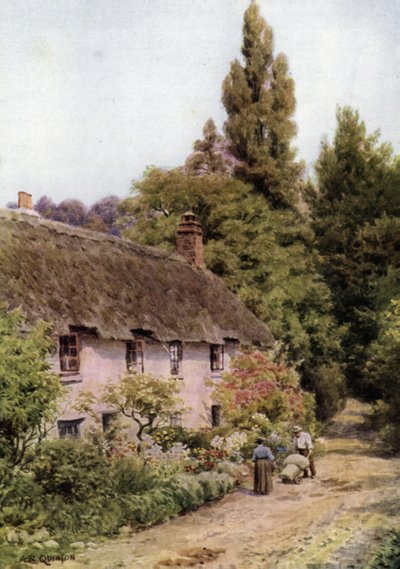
262, 476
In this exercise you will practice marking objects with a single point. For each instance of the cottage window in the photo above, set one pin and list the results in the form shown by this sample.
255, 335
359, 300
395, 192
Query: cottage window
135, 356
175, 356
215, 415
69, 352
217, 357
107, 420
69, 429
175, 420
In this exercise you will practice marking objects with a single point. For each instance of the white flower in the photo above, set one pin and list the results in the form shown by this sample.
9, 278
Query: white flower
232, 444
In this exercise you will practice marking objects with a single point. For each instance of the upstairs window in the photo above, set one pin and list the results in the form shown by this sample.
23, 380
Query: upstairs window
175, 356
69, 429
216, 357
69, 352
135, 356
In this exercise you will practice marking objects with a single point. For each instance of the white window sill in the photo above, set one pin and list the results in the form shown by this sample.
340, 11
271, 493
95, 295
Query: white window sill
70, 377
217, 374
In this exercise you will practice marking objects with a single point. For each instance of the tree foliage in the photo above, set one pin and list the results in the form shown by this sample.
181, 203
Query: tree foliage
356, 231
149, 401
101, 216
210, 155
46, 207
29, 392
72, 212
382, 369
261, 253
256, 385
259, 99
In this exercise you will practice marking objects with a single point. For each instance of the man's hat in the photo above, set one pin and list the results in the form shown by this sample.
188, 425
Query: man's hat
296, 429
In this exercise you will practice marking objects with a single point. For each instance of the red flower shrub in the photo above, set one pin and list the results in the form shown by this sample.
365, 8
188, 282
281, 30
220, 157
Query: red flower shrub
256, 384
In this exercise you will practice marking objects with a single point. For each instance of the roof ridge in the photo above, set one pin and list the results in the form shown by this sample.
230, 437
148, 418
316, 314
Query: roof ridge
91, 235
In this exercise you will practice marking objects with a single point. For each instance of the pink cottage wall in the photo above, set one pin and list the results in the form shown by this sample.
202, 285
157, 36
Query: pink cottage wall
102, 361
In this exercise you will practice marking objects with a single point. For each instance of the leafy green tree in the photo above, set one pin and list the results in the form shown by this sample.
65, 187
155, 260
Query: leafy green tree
73, 470
259, 99
149, 401
382, 368
261, 253
29, 392
210, 155
356, 188
246, 192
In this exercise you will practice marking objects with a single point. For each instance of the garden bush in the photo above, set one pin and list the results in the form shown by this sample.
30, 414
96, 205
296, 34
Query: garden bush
226, 467
186, 490
197, 439
388, 554
131, 475
178, 494
259, 393
166, 437
72, 470
21, 497
97, 516
73, 490
205, 459
156, 505
215, 486
75, 479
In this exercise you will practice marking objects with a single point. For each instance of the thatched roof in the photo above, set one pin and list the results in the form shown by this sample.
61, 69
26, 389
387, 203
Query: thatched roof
74, 277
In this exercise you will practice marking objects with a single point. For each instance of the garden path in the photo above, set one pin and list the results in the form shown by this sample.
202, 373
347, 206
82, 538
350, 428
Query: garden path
328, 523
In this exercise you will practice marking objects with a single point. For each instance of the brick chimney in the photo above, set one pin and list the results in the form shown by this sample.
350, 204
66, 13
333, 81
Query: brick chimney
189, 239
24, 200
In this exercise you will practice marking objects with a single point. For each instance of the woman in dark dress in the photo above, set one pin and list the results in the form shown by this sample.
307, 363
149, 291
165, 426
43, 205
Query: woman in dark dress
263, 468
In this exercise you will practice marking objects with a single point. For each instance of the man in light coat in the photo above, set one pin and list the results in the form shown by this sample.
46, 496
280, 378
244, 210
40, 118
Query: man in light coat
302, 444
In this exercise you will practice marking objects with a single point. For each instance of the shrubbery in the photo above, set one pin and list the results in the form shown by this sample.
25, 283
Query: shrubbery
131, 475
177, 494
388, 554
261, 397
72, 470
383, 373
258, 385
75, 491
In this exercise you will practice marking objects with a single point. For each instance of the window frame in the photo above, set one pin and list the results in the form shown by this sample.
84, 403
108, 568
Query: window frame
69, 424
108, 419
134, 356
216, 415
69, 363
217, 357
175, 349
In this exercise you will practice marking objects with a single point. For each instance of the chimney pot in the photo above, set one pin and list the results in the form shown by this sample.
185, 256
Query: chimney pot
24, 200
189, 239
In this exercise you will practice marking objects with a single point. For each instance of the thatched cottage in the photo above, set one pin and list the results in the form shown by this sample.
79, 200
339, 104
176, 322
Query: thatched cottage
116, 305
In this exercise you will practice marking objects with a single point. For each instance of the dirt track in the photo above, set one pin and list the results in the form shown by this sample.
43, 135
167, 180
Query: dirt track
328, 523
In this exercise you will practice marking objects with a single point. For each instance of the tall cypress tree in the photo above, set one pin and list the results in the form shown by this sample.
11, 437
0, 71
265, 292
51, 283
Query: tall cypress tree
210, 155
259, 99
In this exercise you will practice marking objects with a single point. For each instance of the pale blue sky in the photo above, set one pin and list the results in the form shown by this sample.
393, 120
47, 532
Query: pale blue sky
93, 91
